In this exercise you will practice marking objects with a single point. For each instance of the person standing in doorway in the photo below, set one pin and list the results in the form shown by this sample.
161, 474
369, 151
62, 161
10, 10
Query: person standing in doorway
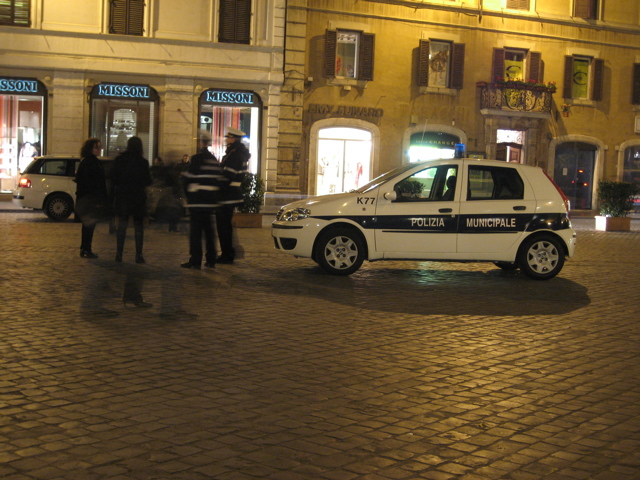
91, 193
234, 165
202, 187
130, 177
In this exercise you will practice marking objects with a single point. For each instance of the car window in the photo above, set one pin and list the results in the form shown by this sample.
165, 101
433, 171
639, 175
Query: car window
429, 184
494, 183
56, 166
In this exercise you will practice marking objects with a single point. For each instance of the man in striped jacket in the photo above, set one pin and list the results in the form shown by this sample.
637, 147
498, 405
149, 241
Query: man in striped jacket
202, 187
234, 165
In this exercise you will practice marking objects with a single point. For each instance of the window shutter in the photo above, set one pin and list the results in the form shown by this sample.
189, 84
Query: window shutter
15, 12
136, 17
365, 56
498, 64
330, 45
457, 65
535, 67
518, 4
598, 80
635, 99
568, 77
118, 17
423, 64
235, 21
584, 9
126, 17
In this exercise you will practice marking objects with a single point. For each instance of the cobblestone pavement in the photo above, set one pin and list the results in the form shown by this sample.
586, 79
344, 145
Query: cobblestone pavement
271, 369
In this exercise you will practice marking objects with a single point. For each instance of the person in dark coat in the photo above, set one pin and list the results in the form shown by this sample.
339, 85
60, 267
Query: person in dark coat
234, 165
130, 176
202, 187
91, 193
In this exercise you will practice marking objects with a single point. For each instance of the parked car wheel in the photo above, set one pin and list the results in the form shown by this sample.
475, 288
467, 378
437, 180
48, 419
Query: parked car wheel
340, 251
541, 257
58, 207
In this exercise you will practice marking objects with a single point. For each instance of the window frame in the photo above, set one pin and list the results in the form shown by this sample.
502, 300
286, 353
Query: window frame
364, 56
455, 64
234, 21
635, 87
126, 17
595, 85
533, 64
16, 13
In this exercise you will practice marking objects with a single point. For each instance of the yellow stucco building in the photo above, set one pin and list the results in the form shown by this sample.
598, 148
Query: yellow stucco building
372, 84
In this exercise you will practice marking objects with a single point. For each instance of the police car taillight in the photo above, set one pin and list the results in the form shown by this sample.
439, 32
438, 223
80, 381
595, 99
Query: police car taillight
24, 183
566, 201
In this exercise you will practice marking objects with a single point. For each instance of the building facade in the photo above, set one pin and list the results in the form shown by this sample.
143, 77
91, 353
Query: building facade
169, 72
372, 84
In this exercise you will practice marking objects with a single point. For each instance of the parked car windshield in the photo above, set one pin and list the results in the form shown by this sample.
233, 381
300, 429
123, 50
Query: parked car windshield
385, 177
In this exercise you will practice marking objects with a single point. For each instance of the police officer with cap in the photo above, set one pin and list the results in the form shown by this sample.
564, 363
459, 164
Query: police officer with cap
234, 165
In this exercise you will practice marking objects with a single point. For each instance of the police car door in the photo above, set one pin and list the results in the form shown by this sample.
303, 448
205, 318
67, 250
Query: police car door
497, 205
418, 214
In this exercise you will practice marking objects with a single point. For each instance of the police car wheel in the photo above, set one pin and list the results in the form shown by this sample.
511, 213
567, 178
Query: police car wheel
541, 257
340, 251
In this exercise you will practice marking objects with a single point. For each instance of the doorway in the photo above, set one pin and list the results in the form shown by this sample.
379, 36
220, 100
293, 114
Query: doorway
573, 172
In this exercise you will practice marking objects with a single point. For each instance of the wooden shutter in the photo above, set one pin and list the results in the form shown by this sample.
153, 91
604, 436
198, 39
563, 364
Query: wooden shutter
518, 4
423, 63
585, 9
635, 92
330, 45
568, 77
126, 17
365, 56
535, 67
15, 12
598, 80
498, 64
235, 21
457, 65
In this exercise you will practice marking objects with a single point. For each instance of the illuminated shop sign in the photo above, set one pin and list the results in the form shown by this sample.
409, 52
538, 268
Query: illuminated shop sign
229, 97
346, 111
119, 90
434, 139
19, 85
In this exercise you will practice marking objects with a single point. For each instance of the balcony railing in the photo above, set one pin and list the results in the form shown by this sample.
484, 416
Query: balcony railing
516, 96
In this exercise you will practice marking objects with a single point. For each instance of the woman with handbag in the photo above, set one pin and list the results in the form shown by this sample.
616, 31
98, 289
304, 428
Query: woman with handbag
91, 193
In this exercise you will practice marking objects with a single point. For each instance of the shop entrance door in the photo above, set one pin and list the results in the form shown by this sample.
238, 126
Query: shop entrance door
573, 172
344, 159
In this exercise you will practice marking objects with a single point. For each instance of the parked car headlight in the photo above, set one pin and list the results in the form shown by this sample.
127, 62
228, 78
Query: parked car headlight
293, 214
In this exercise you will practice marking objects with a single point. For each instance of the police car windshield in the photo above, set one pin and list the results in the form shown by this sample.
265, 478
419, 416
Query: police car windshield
385, 177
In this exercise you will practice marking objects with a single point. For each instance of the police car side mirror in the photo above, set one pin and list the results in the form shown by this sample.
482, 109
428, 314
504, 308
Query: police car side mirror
391, 196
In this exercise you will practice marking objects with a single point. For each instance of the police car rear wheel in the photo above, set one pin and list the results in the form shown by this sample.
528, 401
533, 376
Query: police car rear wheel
541, 257
340, 251
58, 207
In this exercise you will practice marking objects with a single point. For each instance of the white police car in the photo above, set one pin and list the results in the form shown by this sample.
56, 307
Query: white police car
455, 209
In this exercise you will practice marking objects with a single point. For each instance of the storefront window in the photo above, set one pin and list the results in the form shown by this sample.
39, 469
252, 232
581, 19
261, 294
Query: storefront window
22, 106
432, 146
631, 171
573, 172
344, 159
119, 112
221, 109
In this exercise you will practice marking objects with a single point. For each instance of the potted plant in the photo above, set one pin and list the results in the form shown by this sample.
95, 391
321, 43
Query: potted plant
248, 213
615, 200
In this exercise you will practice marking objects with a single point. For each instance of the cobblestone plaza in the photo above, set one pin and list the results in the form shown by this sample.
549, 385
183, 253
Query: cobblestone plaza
271, 369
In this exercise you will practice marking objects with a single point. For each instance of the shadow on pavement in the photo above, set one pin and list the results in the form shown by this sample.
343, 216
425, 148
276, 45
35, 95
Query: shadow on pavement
438, 292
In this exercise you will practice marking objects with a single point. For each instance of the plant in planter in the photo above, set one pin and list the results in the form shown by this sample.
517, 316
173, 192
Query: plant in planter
615, 200
253, 194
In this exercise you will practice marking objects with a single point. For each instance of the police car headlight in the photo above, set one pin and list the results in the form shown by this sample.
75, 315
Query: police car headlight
294, 214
